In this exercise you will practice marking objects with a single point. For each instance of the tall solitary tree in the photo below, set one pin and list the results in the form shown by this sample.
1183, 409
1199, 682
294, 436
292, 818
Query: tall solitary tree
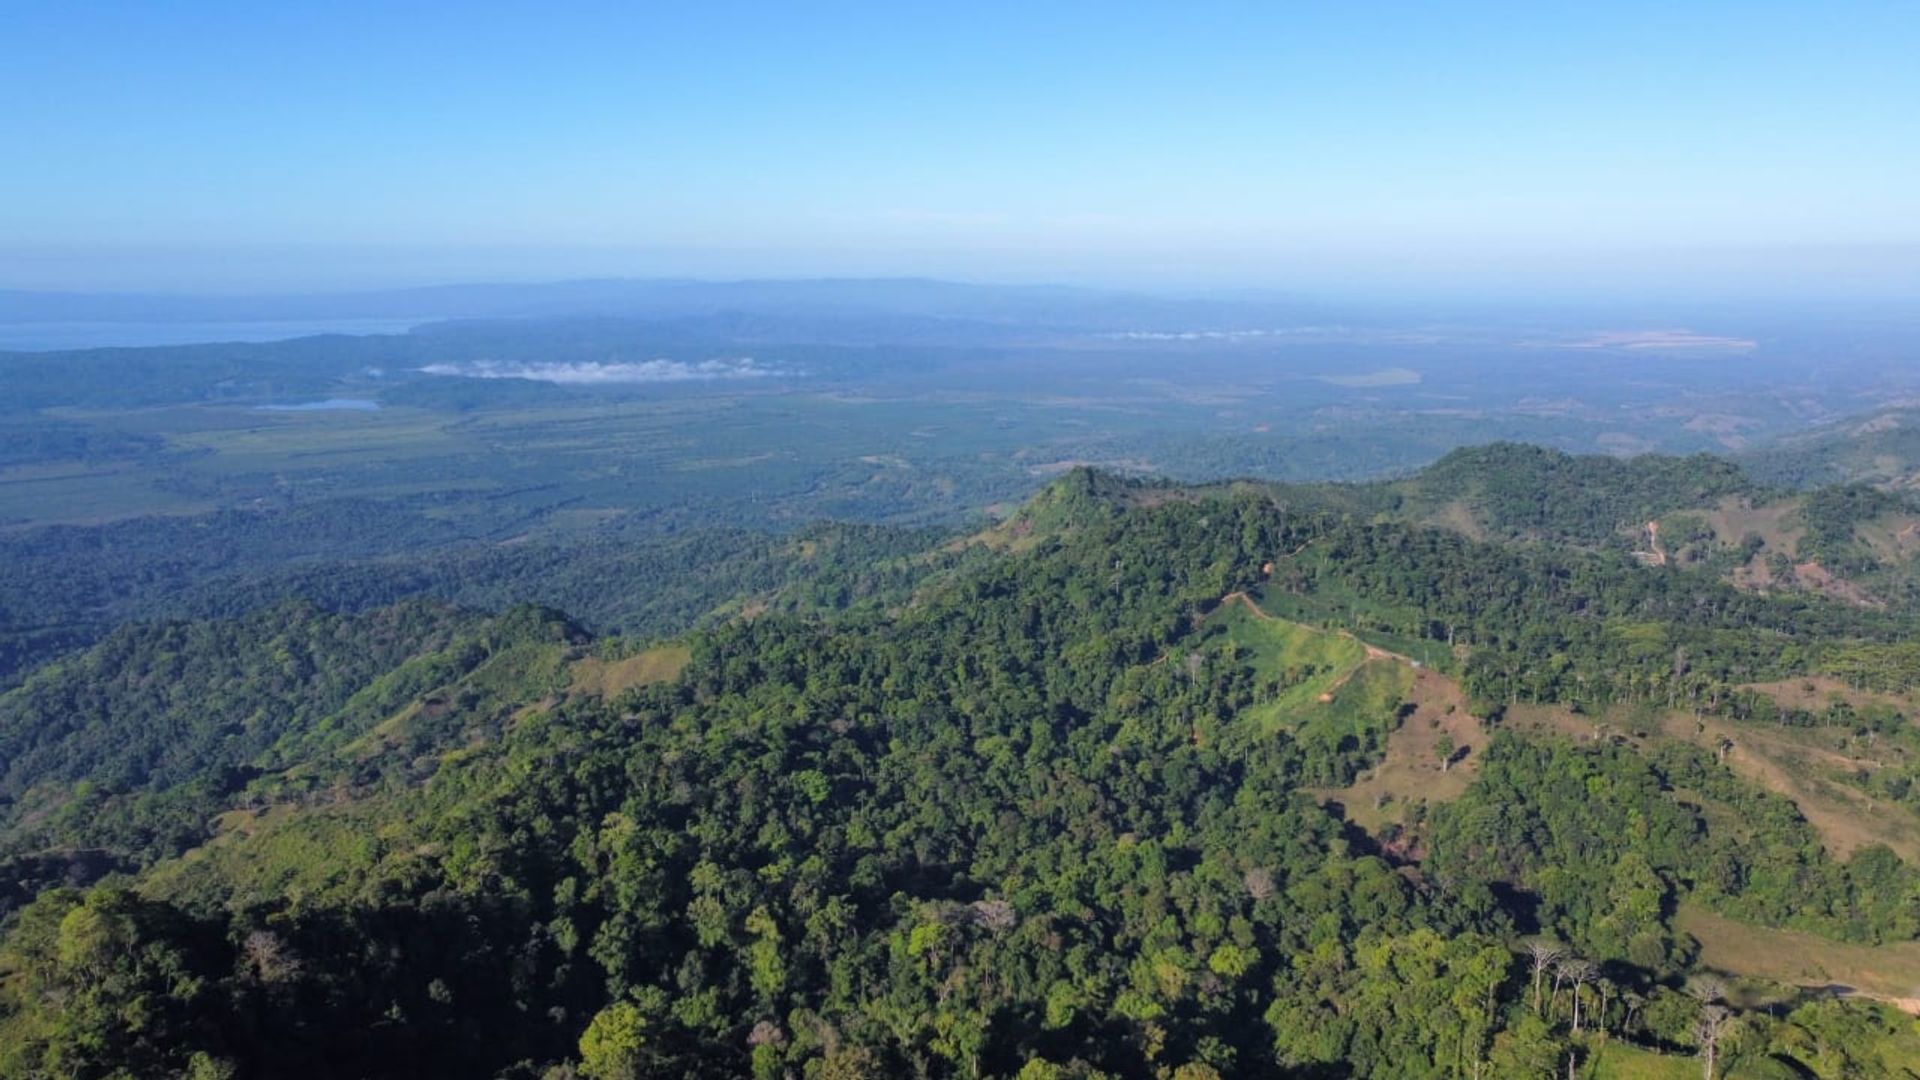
1578, 973
1713, 1020
1543, 954
1713, 1023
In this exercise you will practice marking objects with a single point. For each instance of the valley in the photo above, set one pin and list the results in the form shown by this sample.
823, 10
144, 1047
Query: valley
960, 542
1235, 671
838, 719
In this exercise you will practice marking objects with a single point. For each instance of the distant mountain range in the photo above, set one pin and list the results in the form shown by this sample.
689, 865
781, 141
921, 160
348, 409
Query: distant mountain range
1029, 305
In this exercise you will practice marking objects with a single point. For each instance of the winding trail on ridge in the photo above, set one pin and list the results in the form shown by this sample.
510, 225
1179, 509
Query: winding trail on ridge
1374, 652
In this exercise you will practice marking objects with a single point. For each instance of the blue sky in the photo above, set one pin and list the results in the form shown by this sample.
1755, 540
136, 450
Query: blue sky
228, 146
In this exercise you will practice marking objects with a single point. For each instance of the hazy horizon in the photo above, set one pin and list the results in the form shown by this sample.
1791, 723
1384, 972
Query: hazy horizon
1496, 149
1866, 275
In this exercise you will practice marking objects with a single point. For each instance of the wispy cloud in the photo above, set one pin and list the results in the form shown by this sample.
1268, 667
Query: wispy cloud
597, 373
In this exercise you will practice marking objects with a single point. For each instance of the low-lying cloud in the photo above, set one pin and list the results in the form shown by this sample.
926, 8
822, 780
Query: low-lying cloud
601, 373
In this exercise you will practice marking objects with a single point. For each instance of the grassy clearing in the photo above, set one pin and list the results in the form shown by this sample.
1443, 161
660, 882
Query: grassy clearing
305, 441
1013, 535
1333, 606
82, 495
611, 678
1364, 703
1793, 762
1357, 689
1889, 973
1337, 695
1815, 692
1458, 517
1558, 720
325, 854
1411, 771
1619, 1061
1285, 651
521, 678
1777, 524
1892, 538
1799, 764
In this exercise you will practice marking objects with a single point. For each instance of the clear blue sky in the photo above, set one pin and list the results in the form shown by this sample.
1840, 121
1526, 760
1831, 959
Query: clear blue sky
188, 145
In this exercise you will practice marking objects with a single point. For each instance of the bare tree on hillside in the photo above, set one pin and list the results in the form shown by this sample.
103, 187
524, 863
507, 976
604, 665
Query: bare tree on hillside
1543, 953
1578, 972
1712, 1024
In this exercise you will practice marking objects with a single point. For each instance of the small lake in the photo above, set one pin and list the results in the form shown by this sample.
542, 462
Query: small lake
335, 404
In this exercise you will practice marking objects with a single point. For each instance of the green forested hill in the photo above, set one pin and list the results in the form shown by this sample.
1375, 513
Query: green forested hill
132, 745
1846, 540
1056, 814
1883, 449
1511, 490
71, 586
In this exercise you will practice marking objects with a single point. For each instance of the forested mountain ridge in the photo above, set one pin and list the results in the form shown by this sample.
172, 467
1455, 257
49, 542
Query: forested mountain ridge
1882, 449
74, 584
132, 746
1056, 809
1516, 491
1849, 541
71, 586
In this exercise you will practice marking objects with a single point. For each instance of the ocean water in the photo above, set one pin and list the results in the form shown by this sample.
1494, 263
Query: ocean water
41, 337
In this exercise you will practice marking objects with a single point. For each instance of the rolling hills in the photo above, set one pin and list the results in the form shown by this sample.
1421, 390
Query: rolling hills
1230, 780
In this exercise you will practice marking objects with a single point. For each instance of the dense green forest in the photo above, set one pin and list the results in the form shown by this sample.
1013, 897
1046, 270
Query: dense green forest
1516, 490
72, 584
1065, 796
1883, 449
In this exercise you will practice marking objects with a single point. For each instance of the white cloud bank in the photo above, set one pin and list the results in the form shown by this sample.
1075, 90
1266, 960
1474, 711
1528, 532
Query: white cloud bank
597, 373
